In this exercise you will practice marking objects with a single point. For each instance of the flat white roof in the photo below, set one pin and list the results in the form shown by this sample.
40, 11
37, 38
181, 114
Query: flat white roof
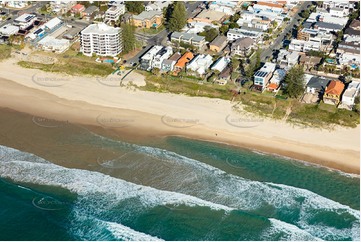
51, 41
25, 18
100, 28
9, 29
52, 23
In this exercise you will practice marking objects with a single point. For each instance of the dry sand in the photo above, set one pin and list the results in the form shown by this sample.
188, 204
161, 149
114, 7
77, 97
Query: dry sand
98, 101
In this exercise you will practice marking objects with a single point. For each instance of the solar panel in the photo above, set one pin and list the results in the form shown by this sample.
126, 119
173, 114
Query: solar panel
261, 73
38, 31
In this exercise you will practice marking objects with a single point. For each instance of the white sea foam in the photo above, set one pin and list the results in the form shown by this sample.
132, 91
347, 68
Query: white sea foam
122, 232
216, 189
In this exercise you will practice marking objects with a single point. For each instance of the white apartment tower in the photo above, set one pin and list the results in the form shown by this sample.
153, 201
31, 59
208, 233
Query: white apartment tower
102, 40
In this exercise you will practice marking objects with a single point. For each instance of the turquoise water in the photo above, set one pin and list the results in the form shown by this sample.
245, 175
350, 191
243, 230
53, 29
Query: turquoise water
174, 189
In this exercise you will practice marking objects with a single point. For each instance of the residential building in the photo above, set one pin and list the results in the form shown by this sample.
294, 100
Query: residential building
182, 62
242, 46
275, 81
90, 11
227, 7
114, 12
348, 97
348, 52
8, 29
78, 8
263, 75
269, 6
25, 21
192, 39
317, 85
224, 76
221, 64
288, 59
197, 27
15, 4
348, 6
312, 39
209, 16
200, 64
309, 61
218, 43
162, 55
146, 61
339, 12
148, 19
328, 27
157, 5
333, 92
50, 43
168, 65
243, 32
61, 7
102, 40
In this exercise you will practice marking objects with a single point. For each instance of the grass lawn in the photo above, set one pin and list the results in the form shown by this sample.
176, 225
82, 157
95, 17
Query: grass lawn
5, 52
151, 31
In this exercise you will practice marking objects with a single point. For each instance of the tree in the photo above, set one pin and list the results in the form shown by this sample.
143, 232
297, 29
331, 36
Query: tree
178, 17
234, 18
223, 29
135, 6
235, 63
233, 26
129, 40
274, 24
294, 82
209, 33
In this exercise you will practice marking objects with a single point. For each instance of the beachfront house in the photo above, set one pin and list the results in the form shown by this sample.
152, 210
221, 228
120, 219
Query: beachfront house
277, 78
168, 65
200, 64
288, 59
162, 55
333, 92
263, 75
243, 32
221, 64
181, 63
348, 97
146, 61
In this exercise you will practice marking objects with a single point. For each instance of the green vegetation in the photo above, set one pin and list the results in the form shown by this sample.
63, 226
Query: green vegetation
5, 52
129, 40
209, 33
73, 64
224, 29
134, 6
255, 63
294, 82
313, 115
188, 85
151, 31
177, 16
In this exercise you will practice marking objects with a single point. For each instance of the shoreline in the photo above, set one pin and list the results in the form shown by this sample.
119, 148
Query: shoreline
87, 102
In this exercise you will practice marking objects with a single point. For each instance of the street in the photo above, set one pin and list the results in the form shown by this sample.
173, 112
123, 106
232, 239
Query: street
277, 44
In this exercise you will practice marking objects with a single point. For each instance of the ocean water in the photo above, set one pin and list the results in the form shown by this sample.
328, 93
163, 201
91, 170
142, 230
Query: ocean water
171, 189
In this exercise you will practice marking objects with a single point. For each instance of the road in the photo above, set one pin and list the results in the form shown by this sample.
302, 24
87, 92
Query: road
277, 44
158, 38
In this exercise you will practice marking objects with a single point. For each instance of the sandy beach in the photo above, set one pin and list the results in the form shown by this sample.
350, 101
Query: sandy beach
100, 102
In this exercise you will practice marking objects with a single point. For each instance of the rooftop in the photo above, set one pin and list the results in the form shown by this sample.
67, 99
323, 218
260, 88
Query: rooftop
219, 40
187, 57
352, 89
25, 17
318, 82
100, 28
147, 15
335, 87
